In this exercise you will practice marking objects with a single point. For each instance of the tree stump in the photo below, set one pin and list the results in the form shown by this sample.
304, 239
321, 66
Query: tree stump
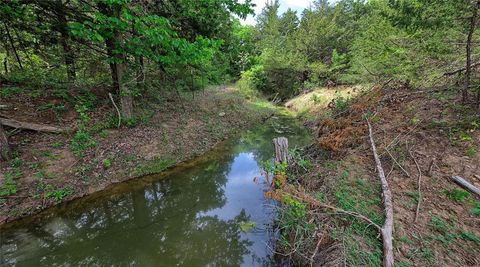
281, 149
4, 147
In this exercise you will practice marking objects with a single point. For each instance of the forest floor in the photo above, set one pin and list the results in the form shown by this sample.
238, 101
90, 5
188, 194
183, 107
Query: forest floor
53, 168
429, 128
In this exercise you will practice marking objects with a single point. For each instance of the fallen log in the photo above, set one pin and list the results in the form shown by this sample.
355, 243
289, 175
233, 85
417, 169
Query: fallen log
31, 126
465, 184
387, 228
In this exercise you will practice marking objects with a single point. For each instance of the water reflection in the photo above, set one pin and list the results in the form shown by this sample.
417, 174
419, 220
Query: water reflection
189, 218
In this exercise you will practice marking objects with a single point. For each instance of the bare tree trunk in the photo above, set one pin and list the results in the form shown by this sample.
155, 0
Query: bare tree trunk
12, 44
4, 146
468, 67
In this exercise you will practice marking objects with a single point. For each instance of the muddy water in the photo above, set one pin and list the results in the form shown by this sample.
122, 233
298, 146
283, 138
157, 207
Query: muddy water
198, 214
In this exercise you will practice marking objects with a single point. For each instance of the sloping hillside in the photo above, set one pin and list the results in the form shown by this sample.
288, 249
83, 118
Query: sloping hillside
423, 138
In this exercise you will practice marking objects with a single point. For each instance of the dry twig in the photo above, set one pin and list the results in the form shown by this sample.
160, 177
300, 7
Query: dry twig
419, 188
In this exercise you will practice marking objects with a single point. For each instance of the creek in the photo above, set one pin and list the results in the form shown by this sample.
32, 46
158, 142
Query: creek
210, 211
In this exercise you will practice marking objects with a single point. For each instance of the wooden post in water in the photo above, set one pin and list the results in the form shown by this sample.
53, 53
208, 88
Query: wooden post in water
281, 149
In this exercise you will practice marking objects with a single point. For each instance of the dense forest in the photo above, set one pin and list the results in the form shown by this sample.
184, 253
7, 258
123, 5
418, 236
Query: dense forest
86, 84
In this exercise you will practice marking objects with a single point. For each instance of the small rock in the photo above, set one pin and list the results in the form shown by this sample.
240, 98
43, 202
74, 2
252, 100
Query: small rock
221, 114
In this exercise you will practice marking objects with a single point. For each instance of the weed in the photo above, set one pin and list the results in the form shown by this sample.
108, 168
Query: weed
341, 104
9, 186
445, 230
456, 194
470, 152
469, 236
130, 122
9, 91
403, 264
60, 193
330, 165
81, 141
103, 134
317, 99
107, 162
56, 145
415, 121
475, 211
16, 162
299, 160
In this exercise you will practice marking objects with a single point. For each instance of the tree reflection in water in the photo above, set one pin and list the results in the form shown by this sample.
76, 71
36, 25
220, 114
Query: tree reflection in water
190, 218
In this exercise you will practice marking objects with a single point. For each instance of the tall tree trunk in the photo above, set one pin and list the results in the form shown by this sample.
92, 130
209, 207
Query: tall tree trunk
12, 44
68, 54
126, 99
468, 67
4, 146
110, 44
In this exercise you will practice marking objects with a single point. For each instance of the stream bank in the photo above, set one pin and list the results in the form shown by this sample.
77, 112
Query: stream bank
46, 170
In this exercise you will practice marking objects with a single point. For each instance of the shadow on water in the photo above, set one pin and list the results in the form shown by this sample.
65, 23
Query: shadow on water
188, 216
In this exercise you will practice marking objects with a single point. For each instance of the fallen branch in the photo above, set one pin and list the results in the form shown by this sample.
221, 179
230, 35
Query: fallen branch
460, 70
387, 229
465, 184
31, 126
116, 108
419, 188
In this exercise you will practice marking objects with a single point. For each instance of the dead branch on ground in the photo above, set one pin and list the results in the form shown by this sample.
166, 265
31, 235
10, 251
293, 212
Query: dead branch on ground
31, 126
387, 229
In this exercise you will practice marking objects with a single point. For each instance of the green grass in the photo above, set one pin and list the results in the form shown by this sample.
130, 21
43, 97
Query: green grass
475, 211
363, 197
458, 195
